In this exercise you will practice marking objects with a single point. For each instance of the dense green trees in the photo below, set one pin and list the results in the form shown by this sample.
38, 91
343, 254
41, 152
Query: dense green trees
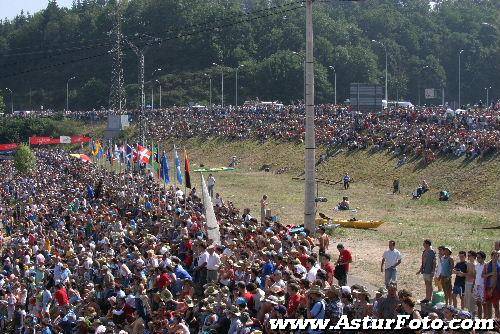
423, 43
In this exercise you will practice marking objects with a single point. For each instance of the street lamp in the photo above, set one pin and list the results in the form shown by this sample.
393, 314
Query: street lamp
335, 82
418, 88
11, 100
210, 90
459, 78
487, 96
153, 87
236, 89
67, 92
385, 49
304, 65
222, 84
159, 84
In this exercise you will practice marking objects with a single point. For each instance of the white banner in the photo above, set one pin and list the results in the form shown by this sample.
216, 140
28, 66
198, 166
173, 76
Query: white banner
430, 93
213, 231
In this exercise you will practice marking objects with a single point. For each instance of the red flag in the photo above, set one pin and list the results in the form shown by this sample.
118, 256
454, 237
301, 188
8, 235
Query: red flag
143, 154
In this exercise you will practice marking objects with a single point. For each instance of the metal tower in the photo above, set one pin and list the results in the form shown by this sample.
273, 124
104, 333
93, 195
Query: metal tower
117, 97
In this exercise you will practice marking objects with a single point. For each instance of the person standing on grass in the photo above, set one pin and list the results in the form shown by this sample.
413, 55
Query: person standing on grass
447, 265
460, 272
427, 269
437, 272
470, 276
390, 260
347, 181
211, 185
479, 283
263, 209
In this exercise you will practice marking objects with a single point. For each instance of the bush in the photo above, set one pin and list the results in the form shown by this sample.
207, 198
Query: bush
24, 159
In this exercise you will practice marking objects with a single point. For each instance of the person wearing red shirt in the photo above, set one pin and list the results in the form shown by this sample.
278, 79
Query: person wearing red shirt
327, 266
295, 301
303, 256
342, 266
163, 280
242, 292
61, 296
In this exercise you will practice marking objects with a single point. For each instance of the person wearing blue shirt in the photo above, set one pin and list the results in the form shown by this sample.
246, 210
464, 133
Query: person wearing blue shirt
316, 306
180, 273
267, 270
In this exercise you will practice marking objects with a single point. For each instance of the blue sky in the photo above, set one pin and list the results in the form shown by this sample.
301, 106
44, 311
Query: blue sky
10, 8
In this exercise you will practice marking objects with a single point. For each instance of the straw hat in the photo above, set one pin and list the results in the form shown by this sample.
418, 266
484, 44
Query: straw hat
315, 290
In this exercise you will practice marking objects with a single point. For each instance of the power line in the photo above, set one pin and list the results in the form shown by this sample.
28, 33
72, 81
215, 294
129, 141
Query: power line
214, 28
62, 51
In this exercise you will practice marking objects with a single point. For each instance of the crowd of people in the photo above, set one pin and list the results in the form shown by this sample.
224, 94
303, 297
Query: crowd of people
88, 250
423, 132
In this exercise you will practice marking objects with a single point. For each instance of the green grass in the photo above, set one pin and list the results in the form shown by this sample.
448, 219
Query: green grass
459, 223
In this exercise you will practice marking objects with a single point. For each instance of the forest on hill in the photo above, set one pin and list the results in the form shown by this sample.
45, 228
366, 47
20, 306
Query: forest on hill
40, 51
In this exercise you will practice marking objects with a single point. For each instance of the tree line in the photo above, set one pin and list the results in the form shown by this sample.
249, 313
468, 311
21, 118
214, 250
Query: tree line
265, 38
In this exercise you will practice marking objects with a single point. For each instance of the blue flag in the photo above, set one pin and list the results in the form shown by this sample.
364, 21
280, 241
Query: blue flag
178, 167
164, 169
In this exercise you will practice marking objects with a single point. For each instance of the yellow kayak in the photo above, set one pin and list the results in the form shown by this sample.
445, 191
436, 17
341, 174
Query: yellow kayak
363, 224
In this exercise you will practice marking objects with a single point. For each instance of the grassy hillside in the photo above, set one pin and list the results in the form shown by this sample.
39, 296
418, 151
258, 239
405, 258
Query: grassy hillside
461, 222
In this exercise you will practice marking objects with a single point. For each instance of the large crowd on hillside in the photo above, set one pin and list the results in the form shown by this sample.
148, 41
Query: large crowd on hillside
86, 250
425, 132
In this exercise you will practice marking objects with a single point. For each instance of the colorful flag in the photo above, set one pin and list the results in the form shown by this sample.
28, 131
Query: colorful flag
178, 166
187, 170
143, 154
97, 148
165, 170
129, 154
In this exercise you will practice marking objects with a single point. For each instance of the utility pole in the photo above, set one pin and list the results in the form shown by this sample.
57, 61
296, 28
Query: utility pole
310, 140
140, 51
117, 98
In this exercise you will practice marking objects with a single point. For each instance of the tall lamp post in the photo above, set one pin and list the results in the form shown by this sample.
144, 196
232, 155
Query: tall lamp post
386, 57
11, 100
304, 74
459, 78
236, 88
153, 87
67, 92
487, 96
419, 78
159, 84
209, 91
222, 85
335, 82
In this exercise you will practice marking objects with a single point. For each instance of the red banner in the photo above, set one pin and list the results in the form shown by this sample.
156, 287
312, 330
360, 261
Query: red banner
80, 139
44, 140
8, 147
58, 140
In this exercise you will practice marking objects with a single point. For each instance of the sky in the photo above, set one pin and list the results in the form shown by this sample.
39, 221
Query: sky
10, 8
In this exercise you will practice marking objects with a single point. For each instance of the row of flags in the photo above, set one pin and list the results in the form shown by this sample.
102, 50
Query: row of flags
130, 155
